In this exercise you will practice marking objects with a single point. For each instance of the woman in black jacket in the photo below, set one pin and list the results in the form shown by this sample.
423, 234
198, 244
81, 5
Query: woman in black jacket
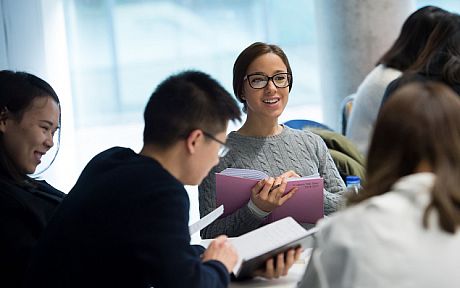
30, 116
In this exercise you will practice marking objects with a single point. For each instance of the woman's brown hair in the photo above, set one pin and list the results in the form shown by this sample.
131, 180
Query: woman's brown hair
245, 59
420, 122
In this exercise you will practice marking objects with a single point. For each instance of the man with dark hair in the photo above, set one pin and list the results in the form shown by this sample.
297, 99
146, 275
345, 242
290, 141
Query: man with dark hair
125, 222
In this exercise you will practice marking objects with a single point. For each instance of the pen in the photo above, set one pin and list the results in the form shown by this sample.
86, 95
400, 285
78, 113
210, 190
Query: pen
274, 187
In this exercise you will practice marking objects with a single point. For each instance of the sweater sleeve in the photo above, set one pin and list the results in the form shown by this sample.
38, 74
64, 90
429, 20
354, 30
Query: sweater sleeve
333, 183
232, 225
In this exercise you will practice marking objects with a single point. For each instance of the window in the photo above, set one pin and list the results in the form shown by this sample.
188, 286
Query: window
120, 50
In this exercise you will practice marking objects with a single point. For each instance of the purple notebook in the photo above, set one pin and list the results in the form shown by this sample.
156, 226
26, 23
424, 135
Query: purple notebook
233, 189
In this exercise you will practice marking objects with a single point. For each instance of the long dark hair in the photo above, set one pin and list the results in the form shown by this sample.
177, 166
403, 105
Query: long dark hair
17, 92
420, 122
441, 60
414, 34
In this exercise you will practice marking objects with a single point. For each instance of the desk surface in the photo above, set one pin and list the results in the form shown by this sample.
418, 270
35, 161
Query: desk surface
290, 280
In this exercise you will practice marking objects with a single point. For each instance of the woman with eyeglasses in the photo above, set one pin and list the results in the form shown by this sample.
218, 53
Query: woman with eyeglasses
262, 79
30, 115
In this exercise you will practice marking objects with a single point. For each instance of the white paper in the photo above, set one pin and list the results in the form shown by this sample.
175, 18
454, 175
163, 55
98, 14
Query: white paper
206, 220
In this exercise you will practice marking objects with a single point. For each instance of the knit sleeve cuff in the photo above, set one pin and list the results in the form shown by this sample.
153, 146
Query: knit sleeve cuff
256, 210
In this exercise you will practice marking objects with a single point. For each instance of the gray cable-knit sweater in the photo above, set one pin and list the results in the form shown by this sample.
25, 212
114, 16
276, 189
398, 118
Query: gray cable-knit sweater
301, 151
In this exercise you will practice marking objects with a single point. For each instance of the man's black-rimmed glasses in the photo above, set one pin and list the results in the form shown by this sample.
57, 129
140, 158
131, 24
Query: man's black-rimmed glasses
223, 150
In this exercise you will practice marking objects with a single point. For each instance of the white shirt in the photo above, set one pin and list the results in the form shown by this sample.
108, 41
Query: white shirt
366, 105
381, 242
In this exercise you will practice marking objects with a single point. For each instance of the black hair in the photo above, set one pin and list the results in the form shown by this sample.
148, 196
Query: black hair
413, 37
184, 102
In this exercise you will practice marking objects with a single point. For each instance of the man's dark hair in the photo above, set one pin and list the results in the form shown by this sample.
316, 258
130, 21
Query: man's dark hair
184, 102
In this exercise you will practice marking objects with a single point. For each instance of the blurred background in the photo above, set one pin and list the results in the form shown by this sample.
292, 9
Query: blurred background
105, 57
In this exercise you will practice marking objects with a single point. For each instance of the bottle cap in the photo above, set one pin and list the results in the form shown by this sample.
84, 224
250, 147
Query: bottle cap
352, 179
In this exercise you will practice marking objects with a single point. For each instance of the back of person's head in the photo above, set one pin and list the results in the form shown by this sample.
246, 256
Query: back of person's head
184, 102
419, 123
18, 90
246, 57
414, 34
444, 62
440, 48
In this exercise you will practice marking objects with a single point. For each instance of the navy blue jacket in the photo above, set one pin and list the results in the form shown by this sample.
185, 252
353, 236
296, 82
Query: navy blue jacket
123, 224
24, 213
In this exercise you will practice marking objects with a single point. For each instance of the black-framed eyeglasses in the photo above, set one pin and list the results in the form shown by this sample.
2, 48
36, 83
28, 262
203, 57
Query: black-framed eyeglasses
260, 81
223, 150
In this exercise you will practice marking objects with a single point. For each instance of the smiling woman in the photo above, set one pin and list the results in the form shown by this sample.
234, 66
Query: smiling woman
262, 81
29, 118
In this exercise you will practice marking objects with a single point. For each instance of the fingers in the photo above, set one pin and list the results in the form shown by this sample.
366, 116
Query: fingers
269, 268
222, 250
298, 253
269, 193
280, 266
288, 195
289, 174
277, 190
262, 188
219, 241
290, 260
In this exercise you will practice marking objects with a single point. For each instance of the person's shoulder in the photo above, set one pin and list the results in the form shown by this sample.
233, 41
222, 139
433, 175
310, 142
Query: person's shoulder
378, 78
361, 216
10, 194
388, 72
115, 152
118, 158
307, 136
233, 137
305, 132
128, 168
49, 189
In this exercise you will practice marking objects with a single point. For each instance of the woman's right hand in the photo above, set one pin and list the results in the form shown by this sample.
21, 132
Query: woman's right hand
222, 250
268, 193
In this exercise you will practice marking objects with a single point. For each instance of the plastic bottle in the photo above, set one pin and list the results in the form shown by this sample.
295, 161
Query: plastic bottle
353, 184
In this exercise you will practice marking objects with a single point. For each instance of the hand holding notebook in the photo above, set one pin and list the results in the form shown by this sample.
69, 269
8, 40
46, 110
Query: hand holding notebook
233, 189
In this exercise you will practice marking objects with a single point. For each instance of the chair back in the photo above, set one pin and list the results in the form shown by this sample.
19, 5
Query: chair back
346, 106
303, 123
